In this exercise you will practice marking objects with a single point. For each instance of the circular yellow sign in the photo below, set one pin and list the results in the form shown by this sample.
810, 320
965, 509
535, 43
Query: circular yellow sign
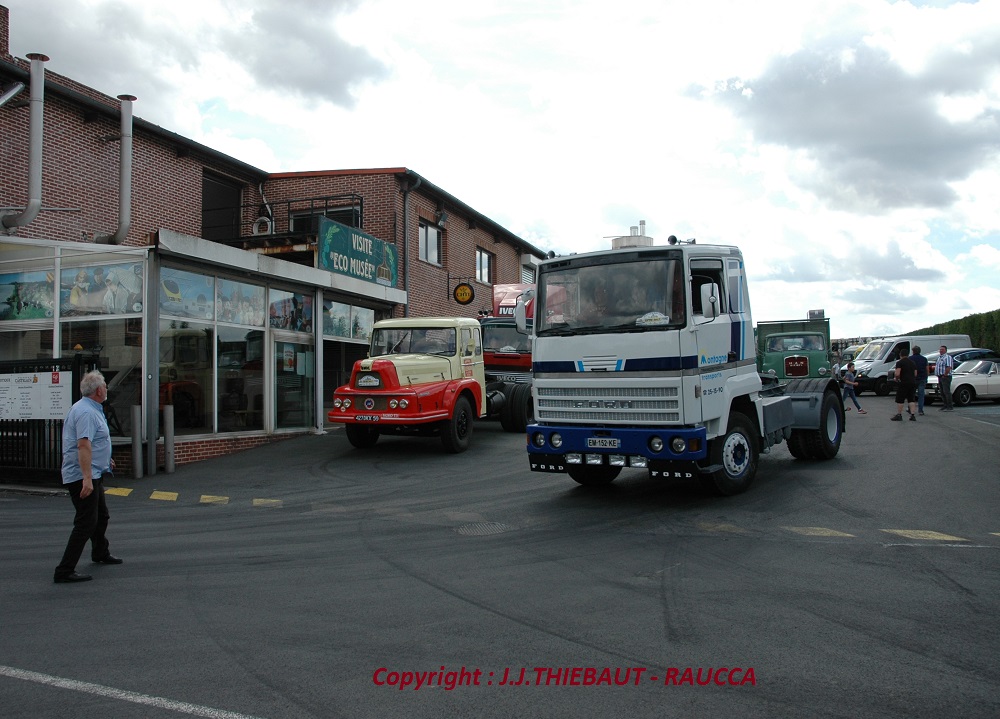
464, 294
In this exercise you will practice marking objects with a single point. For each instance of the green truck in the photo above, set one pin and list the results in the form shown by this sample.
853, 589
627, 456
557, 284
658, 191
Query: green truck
793, 349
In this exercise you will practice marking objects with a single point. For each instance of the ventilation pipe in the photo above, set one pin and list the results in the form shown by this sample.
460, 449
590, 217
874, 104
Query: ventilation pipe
13, 92
124, 176
37, 98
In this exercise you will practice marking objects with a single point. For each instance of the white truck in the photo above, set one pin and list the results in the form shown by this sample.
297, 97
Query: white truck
644, 357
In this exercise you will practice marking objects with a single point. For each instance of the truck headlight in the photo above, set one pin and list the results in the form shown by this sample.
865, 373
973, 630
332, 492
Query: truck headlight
337, 403
556, 440
347, 403
403, 404
538, 439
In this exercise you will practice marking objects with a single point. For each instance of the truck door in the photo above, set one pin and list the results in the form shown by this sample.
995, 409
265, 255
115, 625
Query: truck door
716, 354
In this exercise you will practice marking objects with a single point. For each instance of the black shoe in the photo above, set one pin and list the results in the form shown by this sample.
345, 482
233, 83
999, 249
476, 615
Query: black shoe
109, 559
921, 413
897, 418
912, 418
72, 577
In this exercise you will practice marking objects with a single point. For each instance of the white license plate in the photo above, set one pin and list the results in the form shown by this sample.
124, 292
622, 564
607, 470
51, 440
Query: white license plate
602, 443
366, 418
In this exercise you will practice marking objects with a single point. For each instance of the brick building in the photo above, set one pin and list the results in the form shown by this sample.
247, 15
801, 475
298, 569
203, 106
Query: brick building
237, 296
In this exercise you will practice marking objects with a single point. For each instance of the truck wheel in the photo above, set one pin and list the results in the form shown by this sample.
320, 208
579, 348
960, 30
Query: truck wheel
516, 412
797, 444
824, 443
737, 452
590, 475
457, 431
881, 387
360, 436
963, 396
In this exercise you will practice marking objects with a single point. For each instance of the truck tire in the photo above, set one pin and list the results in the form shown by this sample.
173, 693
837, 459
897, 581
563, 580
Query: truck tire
457, 431
361, 436
737, 454
590, 475
516, 412
824, 443
881, 387
797, 446
963, 396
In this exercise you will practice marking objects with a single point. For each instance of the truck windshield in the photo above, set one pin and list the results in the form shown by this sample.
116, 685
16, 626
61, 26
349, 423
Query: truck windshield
621, 297
416, 340
504, 338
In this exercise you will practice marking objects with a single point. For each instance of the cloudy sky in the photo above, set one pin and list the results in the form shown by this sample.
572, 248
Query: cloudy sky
851, 149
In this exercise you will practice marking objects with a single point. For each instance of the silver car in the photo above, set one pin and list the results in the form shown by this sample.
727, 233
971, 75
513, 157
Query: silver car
975, 379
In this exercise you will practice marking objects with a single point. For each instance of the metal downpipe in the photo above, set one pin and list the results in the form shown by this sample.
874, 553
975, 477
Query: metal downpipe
37, 103
124, 175
406, 243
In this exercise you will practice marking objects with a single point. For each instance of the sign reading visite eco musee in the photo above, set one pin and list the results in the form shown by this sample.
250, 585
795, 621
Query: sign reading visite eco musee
351, 252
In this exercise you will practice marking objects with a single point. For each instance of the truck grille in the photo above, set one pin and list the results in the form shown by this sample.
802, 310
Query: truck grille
647, 405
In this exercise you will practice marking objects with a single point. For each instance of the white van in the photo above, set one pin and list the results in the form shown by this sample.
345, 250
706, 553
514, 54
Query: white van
876, 363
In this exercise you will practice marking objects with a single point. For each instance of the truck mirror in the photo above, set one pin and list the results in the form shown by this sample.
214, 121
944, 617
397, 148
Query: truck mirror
521, 316
710, 300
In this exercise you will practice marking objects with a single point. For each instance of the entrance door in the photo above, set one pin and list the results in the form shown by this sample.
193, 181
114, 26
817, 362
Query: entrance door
294, 384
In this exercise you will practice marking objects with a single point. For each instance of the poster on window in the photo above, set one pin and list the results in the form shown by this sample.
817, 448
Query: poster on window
288, 357
362, 322
101, 290
27, 295
239, 303
336, 319
187, 294
290, 311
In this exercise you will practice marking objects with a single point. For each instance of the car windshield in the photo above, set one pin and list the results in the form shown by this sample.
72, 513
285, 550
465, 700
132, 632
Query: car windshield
618, 297
417, 340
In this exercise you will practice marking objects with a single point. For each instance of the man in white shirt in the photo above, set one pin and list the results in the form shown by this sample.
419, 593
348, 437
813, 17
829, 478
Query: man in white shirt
943, 368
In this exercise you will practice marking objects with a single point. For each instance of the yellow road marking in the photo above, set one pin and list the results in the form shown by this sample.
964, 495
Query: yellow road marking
165, 496
817, 532
118, 491
267, 503
212, 499
924, 534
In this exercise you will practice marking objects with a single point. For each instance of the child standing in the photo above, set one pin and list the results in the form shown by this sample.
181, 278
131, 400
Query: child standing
850, 383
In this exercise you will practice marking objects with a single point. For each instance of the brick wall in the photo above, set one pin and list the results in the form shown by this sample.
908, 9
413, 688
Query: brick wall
186, 452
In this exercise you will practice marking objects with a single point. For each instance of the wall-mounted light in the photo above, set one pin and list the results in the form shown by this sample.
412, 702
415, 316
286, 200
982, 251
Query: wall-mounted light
442, 217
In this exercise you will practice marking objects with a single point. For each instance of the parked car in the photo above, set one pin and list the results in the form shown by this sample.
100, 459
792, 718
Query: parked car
958, 356
974, 379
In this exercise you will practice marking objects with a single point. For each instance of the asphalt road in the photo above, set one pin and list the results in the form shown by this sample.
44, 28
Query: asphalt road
308, 579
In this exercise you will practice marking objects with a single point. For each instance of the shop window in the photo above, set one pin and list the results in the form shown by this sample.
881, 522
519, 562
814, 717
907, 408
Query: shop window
187, 377
240, 378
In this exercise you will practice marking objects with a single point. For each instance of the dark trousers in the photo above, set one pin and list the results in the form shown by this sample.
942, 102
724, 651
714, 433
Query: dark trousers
944, 387
90, 523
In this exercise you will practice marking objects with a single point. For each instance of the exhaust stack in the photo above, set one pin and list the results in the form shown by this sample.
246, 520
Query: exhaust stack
37, 103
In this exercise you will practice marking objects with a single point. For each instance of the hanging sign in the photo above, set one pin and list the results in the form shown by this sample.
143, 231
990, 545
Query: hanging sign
463, 293
351, 252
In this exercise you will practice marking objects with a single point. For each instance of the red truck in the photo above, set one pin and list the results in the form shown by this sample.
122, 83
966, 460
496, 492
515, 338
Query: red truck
507, 355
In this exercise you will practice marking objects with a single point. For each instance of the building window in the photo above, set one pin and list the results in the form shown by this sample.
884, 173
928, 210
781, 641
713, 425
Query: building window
484, 266
430, 243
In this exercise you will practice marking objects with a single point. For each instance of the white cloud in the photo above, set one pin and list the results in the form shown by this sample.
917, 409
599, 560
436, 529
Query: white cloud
860, 175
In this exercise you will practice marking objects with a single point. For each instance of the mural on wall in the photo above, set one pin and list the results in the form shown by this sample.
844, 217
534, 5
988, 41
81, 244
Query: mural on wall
26, 295
187, 294
101, 290
290, 311
239, 303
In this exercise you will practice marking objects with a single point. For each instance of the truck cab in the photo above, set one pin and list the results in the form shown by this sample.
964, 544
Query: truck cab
422, 377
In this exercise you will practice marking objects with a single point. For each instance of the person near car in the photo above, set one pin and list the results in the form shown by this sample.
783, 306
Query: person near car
921, 363
943, 368
850, 387
86, 442
906, 390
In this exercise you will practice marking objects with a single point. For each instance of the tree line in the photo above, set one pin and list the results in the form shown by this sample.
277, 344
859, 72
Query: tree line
983, 329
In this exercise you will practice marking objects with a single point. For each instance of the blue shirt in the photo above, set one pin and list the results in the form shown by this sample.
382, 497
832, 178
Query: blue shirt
85, 420
921, 362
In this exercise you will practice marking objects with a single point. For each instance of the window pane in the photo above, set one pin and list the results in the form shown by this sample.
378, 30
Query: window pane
240, 303
294, 381
240, 359
187, 378
187, 294
290, 311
